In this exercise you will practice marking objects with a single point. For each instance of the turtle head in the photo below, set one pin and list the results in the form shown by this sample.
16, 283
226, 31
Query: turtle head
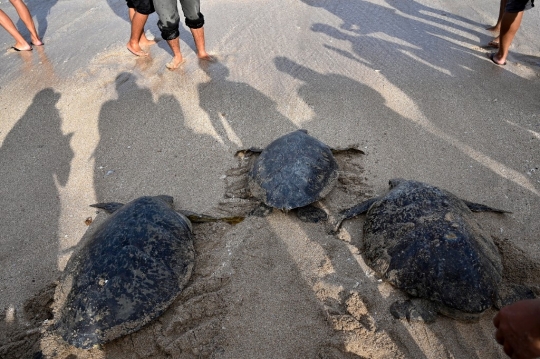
167, 199
394, 182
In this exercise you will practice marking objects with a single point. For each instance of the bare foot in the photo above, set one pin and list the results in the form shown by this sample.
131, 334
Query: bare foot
137, 51
37, 41
175, 63
494, 43
144, 41
206, 57
21, 47
493, 57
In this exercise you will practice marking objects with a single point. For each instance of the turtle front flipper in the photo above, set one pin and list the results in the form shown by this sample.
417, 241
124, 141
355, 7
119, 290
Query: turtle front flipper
419, 310
247, 152
261, 211
109, 207
479, 207
203, 218
352, 150
352, 212
311, 214
509, 293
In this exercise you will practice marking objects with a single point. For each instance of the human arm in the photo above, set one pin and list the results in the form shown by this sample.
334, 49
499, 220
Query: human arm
518, 329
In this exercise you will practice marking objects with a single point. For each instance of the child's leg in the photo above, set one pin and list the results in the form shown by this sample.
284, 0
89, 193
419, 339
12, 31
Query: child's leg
25, 16
6, 23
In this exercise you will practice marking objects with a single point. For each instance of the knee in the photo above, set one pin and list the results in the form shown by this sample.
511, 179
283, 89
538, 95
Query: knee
195, 23
169, 30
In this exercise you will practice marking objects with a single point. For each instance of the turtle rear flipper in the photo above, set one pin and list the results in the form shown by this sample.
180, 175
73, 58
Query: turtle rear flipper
109, 207
261, 211
352, 212
203, 218
479, 207
419, 310
352, 150
511, 293
311, 214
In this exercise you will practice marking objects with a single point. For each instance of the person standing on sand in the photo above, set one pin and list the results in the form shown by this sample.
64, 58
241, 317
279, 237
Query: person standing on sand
20, 43
138, 14
497, 27
510, 23
169, 22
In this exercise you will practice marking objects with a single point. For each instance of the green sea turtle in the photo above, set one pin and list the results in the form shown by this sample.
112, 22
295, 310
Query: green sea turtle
293, 172
423, 240
128, 272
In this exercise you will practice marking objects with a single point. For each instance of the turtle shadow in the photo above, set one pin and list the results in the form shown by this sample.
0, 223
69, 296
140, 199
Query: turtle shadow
35, 159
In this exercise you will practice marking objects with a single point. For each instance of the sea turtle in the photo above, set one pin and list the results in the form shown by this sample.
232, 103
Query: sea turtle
423, 240
293, 171
127, 273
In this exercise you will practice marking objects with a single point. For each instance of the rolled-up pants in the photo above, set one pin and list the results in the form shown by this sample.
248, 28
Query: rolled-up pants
169, 17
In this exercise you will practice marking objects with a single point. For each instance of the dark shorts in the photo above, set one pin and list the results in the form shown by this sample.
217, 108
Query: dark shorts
145, 7
518, 5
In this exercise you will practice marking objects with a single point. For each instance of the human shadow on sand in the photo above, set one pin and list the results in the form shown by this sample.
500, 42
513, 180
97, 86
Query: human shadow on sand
333, 97
140, 143
347, 106
35, 160
407, 44
238, 111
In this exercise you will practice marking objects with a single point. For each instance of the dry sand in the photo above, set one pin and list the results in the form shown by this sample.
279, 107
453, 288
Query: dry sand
84, 121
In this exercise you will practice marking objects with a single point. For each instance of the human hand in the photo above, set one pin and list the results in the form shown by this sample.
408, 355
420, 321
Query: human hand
518, 329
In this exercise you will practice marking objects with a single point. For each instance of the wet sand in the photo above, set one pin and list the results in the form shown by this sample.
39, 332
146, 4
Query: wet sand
84, 121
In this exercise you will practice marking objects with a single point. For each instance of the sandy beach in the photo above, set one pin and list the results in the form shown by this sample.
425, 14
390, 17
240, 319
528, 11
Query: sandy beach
409, 83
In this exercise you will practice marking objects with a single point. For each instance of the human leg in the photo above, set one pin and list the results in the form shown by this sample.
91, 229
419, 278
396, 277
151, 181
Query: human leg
6, 23
137, 29
497, 26
178, 59
510, 24
169, 22
143, 41
25, 16
195, 22
198, 37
